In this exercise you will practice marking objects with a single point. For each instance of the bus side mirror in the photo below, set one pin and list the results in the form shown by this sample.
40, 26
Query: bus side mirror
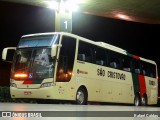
54, 50
7, 54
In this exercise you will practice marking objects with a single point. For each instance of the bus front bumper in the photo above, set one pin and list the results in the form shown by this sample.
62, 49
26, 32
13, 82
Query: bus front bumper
41, 93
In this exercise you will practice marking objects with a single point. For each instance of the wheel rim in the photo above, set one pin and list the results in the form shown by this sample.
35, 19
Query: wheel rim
80, 97
143, 100
136, 101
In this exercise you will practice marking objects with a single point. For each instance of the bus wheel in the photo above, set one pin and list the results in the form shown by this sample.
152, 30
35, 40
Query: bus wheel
137, 100
81, 97
144, 100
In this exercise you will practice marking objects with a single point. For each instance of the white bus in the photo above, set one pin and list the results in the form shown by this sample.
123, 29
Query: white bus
64, 66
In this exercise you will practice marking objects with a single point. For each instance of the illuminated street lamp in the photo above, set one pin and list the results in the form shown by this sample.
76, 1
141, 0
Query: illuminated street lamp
68, 5
52, 5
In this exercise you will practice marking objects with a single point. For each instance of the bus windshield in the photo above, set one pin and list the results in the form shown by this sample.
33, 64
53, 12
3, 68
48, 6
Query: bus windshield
32, 60
38, 41
34, 63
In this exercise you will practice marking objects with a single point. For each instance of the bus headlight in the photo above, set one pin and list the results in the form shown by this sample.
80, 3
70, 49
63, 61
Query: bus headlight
47, 84
13, 85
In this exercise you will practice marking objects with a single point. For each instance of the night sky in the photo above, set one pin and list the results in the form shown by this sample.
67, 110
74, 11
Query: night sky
18, 19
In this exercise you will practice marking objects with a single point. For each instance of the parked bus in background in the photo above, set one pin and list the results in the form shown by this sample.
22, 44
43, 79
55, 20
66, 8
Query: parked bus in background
64, 66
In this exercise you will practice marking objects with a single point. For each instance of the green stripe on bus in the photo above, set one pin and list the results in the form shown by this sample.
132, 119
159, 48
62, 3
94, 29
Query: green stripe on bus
135, 83
130, 55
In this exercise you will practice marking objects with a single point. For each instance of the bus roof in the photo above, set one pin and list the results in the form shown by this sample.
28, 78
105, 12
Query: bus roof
101, 44
37, 34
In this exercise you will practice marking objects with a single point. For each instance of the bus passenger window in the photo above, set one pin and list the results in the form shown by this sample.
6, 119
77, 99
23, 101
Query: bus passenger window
101, 62
137, 66
144, 72
127, 69
126, 63
81, 57
151, 70
114, 60
144, 68
137, 71
113, 64
88, 59
87, 50
100, 56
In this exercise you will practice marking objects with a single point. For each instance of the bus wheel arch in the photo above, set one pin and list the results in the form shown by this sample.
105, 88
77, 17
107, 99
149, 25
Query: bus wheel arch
82, 95
137, 99
144, 100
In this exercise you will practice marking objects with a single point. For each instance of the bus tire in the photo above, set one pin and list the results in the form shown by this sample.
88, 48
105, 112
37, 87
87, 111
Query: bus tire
144, 100
137, 100
81, 97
